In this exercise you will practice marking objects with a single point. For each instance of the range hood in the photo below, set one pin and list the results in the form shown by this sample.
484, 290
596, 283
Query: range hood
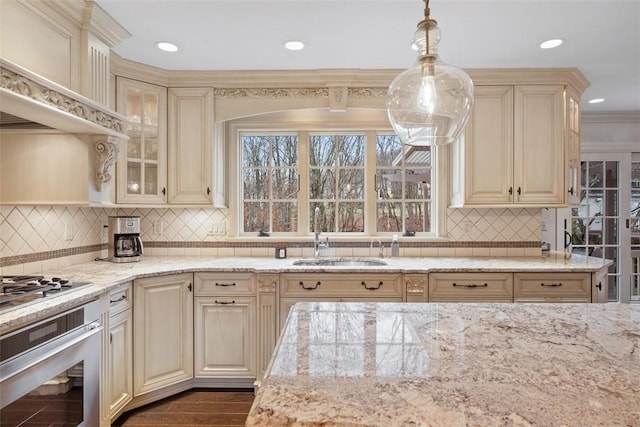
29, 101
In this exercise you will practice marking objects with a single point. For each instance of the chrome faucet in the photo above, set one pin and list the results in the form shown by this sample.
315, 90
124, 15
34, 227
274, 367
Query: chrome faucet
316, 232
380, 245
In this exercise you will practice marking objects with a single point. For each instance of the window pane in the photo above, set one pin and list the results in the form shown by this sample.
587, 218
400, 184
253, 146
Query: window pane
285, 184
351, 185
388, 150
390, 184
256, 216
255, 151
611, 179
417, 184
322, 184
595, 175
326, 218
389, 217
418, 217
285, 150
351, 217
285, 217
256, 184
351, 150
322, 151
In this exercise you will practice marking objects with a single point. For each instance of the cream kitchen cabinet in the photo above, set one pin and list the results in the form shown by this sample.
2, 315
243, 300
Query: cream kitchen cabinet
190, 144
552, 287
168, 157
163, 332
573, 147
513, 150
118, 381
141, 169
225, 326
470, 287
352, 287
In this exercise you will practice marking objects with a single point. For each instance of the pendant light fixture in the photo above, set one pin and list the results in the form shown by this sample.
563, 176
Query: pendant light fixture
430, 103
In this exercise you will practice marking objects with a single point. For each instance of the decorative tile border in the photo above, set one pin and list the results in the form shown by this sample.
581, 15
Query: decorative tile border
43, 256
47, 255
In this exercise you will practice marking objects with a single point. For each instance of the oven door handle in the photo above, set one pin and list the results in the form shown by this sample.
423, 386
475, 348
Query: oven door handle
29, 359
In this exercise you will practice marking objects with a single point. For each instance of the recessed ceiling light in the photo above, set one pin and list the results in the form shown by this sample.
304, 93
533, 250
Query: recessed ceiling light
167, 46
550, 44
294, 45
596, 100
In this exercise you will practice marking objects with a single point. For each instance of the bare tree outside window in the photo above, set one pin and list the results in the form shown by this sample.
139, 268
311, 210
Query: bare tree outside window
336, 183
270, 183
403, 186
339, 178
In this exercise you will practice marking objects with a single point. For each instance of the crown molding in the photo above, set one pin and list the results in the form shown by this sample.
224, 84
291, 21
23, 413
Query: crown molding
632, 116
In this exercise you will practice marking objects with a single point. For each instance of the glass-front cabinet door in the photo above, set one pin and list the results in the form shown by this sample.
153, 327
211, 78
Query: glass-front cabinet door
141, 167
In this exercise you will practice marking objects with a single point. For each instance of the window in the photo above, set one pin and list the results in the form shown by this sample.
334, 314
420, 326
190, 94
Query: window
270, 183
363, 183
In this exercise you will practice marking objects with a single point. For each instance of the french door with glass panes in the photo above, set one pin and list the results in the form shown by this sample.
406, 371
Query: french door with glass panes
601, 224
634, 227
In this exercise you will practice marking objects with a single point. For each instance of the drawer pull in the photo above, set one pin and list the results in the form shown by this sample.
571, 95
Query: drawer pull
225, 302
470, 285
225, 284
310, 288
599, 286
551, 285
122, 298
372, 288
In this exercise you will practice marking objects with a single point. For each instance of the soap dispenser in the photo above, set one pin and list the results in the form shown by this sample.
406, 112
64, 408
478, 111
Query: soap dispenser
395, 246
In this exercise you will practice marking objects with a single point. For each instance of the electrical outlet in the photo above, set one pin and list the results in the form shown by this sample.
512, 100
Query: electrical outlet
104, 233
68, 231
544, 225
157, 227
467, 226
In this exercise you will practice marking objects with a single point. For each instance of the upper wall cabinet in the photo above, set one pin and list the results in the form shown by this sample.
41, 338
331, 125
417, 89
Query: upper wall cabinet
190, 142
142, 166
168, 157
514, 151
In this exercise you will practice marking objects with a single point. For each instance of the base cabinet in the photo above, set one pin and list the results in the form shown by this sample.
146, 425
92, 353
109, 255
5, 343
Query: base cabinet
225, 337
552, 287
470, 287
120, 362
163, 332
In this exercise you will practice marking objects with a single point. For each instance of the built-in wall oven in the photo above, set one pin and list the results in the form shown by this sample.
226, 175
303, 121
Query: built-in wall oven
49, 370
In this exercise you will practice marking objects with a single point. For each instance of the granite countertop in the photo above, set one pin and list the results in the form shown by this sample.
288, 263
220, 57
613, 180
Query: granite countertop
388, 364
106, 275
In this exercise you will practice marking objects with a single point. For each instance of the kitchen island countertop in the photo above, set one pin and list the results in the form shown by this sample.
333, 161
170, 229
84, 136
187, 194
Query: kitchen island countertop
387, 364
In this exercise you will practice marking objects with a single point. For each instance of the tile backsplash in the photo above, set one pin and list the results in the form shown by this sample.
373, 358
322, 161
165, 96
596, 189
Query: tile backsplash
44, 234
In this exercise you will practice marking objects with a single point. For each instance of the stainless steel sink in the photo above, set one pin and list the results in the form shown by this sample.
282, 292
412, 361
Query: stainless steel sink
340, 262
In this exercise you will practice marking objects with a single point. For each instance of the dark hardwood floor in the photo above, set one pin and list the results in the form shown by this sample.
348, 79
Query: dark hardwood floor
198, 407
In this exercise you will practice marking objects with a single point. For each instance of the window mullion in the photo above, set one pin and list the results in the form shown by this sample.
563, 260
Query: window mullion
303, 195
370, 171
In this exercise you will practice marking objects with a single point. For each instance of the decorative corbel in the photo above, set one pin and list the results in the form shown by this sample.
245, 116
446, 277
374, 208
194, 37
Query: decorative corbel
107, 148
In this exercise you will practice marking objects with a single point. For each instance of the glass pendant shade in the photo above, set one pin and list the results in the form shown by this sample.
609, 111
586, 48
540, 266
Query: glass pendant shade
430, 103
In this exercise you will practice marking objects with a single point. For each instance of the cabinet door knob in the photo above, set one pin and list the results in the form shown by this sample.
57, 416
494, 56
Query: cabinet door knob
510, 191
599, 286
519, 191
208, 191
164, 191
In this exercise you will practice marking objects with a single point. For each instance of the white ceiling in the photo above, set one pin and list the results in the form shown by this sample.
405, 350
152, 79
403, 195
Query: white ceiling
602, 37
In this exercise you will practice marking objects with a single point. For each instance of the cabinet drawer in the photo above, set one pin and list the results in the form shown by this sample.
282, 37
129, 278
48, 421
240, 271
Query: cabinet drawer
120, 298
224, 284
340, 285
470, 287
552, 287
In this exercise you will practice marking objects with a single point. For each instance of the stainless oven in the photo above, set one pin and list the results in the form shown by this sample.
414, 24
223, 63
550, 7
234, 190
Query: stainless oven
50, 369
